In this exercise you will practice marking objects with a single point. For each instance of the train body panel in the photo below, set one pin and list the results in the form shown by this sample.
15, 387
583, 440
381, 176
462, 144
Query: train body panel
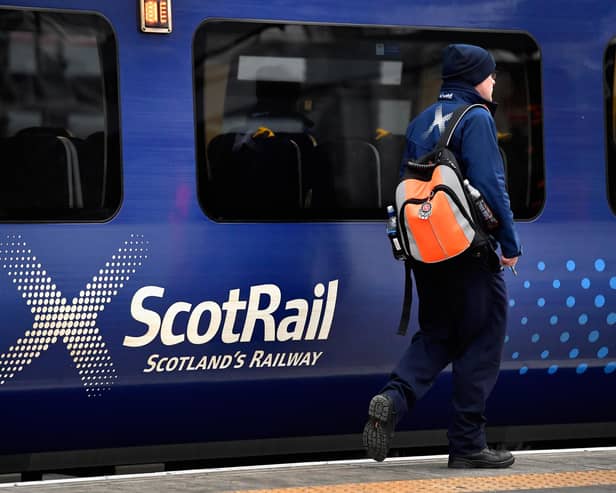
160, 325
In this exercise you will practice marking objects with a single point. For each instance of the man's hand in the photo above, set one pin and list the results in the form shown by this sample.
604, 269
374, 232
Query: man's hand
510, 262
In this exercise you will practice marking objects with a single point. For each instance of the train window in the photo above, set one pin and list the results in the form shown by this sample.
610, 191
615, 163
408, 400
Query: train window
610, 113
59, 117
307, 122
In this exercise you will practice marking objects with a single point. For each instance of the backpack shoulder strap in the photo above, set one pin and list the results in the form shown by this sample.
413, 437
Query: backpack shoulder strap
458, 114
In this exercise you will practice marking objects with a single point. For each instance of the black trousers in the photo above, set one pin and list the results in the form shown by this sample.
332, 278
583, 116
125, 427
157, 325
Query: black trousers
462, 321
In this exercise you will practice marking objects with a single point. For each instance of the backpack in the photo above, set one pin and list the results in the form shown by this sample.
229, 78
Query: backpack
436, 210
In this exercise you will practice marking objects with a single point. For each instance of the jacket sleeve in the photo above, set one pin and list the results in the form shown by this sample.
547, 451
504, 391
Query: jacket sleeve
485, 171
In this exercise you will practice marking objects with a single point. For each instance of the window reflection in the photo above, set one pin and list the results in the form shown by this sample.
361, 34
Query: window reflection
307, 122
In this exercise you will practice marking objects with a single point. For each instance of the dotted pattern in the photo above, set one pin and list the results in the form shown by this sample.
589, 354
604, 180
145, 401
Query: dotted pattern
74, 324
570, 323
482, 483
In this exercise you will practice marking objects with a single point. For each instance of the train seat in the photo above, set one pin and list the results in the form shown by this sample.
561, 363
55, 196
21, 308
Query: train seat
41, 170
306, 144
347, 174
390, 148
94, 170
254, 175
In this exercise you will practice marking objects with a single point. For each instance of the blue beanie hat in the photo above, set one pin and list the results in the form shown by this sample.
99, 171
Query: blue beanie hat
468, 63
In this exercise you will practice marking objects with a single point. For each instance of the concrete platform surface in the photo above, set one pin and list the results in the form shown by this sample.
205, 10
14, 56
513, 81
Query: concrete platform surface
574, 471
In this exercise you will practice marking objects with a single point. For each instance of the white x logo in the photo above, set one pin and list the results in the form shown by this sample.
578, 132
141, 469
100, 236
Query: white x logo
439, 121
55, 319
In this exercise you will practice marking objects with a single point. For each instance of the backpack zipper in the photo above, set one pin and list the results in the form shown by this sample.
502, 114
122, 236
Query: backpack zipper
437, 237
457, 201
437, 188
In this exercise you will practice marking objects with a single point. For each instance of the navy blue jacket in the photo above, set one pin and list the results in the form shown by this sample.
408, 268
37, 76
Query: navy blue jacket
475, 146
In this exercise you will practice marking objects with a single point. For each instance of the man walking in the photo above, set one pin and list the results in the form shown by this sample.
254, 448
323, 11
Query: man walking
463, 300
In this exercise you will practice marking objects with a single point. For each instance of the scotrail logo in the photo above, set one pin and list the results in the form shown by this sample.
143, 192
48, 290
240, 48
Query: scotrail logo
439, 121
56, 321
301, 323
75, 325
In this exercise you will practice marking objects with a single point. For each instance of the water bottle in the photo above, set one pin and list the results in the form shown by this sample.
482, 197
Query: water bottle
392, 233
489, 220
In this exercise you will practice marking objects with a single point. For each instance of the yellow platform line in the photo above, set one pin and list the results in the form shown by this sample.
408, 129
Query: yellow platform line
509, 482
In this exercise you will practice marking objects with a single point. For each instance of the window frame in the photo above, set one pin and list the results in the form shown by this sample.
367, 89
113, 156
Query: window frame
430, 34
110, 104
609, 104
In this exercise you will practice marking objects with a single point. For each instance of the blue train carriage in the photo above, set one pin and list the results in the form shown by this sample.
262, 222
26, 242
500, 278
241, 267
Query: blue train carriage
192, 242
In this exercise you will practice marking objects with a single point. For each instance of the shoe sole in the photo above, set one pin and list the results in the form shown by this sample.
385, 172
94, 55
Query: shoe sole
462, 463
378, 431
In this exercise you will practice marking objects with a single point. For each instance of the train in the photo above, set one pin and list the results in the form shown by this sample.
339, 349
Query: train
192, 223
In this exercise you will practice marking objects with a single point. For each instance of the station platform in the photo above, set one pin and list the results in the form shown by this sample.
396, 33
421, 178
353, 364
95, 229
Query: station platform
573, 470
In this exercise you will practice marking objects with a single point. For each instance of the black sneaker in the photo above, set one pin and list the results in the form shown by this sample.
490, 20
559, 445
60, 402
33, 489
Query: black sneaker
379, 429
488, 459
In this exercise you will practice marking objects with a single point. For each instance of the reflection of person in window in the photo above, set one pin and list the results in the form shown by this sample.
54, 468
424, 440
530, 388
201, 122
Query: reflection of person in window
277, 102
